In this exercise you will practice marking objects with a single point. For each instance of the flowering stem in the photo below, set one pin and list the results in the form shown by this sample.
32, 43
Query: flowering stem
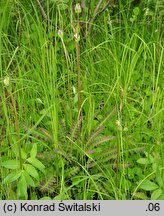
17, 128
68, 78
60, 34
79, 77
77, 45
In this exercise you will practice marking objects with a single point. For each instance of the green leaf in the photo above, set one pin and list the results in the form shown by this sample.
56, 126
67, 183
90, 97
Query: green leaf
13, 176
33, 152
148, 185
61, 197
132, 19
33, 195
11, 164
140, 195
23, 154
31, 171
161, 12
144, 161
159, 177
156, 194
29, 180
22, 188
136, 11
45, 198
36, 163
161, 197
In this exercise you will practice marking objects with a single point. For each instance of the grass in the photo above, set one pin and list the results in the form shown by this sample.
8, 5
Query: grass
81, 119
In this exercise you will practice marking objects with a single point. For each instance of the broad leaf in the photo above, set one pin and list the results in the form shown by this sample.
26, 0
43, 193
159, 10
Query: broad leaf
156, 194
31, 171
22, 188
45, 198
29, 180
11, 164
61, 197
13, 176
23, 154
33, 152
148, 185
36, 163
144, 161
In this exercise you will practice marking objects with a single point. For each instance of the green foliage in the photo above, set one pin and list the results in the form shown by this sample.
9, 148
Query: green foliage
13, 176
61, 4
136, 12
11, 164
24, 175
148, 185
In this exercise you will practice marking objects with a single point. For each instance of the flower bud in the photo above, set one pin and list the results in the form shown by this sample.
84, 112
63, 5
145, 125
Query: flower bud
6, 81
60, 33
77, 8
77, 37
118, 124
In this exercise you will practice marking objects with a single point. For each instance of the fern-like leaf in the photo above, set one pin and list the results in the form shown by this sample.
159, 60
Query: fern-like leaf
76, 128
101, 141
73, 171
47, 185
94, 134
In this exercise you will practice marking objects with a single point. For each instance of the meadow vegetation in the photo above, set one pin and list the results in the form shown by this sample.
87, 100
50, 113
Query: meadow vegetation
81, 99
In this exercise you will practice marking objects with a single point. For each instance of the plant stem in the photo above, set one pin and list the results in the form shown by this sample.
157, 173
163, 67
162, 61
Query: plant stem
97, 12
17, 128
79, 77
77, 45
68, 78
44, 15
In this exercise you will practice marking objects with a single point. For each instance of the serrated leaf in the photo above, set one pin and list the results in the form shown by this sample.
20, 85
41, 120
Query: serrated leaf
36, 163
33, 151
148, 185
11, 164
144, 161
156, 194
13, 176
31, 171
22, 188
